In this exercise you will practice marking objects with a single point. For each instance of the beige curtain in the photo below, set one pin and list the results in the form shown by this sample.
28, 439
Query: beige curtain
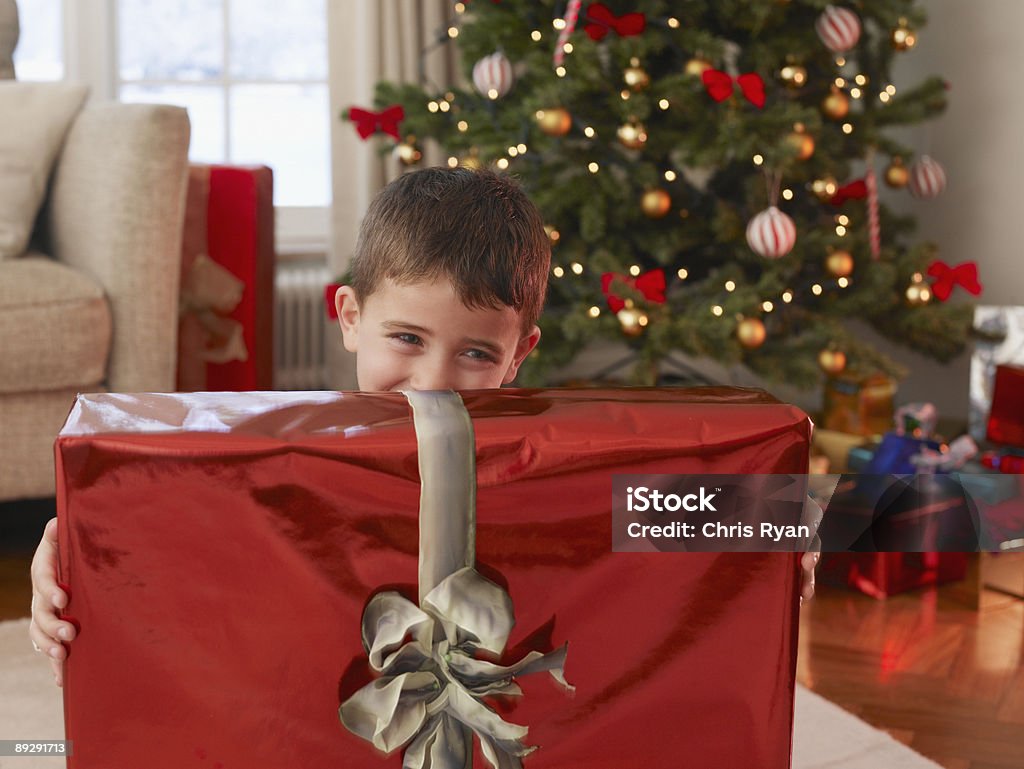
371, 40
8, 37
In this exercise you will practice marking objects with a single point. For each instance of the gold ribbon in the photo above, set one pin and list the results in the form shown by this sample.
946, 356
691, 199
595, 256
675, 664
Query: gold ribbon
210, 292
429, 696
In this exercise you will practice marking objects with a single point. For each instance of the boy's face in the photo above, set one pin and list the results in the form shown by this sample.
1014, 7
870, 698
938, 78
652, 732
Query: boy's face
420, 336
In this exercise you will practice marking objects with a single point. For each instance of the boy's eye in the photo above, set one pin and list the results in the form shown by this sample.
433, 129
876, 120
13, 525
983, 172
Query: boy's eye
407, 338
477, 354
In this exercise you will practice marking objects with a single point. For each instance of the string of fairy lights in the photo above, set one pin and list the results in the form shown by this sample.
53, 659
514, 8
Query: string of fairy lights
558, 122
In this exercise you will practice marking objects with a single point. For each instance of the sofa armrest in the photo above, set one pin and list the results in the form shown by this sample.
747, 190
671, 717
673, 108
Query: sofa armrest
116, 211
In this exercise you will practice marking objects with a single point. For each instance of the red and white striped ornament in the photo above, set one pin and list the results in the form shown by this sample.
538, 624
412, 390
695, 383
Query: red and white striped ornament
838, 28
927, 178
771, 233
572, 13
874, 223
492, 75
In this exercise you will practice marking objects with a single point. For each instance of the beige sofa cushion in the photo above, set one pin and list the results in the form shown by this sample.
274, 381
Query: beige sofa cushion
54, 326
36, 117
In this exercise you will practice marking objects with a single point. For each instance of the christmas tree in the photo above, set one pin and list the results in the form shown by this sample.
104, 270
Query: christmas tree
709, 173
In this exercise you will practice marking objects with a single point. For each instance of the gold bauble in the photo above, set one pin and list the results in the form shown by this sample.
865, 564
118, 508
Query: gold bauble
632, 320
832, 361
751, 333
696, 66
836, 105
555, 121
472, 161
825, 188
793, 75
839, 263
918, 292
903, 38
801, 142
632, 134
635, 76
896, 174
408, 152
655, 203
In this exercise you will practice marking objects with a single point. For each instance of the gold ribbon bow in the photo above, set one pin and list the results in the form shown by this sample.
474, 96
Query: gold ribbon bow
429, 696
210, 292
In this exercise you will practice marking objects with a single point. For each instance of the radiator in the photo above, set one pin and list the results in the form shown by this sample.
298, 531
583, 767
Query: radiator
300, 322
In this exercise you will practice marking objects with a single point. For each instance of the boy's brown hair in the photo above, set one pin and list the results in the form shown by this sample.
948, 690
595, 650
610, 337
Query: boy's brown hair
478, 229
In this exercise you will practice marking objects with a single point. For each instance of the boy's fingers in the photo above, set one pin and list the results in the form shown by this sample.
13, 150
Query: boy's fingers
50, 647
44, 568
47, 630
50, 532
808, 562
49, 624
57, 669
807, 589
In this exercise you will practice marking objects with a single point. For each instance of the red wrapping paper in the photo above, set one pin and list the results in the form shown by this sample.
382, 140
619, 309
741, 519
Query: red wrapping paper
220, 550
230, 217
1006, 419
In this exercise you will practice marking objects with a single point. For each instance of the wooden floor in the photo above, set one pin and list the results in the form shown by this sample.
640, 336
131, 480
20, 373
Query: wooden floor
940, 676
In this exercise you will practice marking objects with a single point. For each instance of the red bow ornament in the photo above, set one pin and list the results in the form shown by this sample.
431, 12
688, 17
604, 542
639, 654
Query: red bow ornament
600, 19
651, 284
368, 122
719, 86
946, 278
856, 190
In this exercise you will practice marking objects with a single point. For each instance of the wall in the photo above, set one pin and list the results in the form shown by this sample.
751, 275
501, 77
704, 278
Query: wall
974, 47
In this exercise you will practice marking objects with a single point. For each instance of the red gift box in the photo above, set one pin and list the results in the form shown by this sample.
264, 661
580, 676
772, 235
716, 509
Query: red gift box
1006, 419
226, 333
220, 550
881, 575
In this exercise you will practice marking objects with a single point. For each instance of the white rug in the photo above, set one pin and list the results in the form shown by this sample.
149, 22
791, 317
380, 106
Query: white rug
826, 737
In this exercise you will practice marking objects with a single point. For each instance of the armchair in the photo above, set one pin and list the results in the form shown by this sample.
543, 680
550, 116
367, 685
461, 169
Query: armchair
93, 305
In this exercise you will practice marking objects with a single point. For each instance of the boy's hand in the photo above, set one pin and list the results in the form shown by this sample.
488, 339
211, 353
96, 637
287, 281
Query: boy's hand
47, 630
808, 561
812, 515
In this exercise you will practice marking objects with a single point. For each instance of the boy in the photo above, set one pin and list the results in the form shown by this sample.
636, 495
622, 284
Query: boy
448, 281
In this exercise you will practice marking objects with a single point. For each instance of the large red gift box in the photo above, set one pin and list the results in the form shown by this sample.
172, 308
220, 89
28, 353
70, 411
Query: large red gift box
220, 550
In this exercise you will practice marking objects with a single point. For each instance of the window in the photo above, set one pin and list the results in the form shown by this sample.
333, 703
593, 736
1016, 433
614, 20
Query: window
40, 51
252, 73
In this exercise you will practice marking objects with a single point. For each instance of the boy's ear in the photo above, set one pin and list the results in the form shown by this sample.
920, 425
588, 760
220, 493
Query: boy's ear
348, 316
523, 348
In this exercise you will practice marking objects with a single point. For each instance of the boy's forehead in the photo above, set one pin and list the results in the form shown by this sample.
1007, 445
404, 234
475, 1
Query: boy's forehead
431, 304
427, 294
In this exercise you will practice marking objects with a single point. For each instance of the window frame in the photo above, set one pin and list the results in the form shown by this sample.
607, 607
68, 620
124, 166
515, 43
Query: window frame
299, 230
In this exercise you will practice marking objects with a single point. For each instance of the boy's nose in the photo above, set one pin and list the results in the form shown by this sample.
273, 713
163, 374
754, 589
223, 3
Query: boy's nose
435, 377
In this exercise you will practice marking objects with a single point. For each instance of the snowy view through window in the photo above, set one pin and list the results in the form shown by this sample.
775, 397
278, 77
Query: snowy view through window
253, 75
40, 51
